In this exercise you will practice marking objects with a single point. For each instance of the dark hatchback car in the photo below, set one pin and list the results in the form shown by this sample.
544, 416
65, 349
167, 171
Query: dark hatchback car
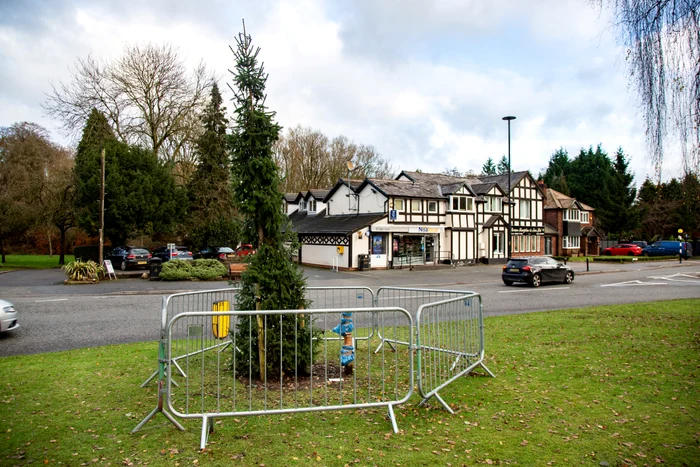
125, 257
179, 252
536, 270
221, 253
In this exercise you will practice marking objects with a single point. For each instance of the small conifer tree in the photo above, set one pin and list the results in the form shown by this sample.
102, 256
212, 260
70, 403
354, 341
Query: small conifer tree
272, 280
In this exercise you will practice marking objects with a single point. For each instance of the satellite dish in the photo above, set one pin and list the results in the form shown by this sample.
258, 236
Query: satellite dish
350, 165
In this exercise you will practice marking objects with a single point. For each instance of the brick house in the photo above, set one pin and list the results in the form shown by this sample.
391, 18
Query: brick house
569, 226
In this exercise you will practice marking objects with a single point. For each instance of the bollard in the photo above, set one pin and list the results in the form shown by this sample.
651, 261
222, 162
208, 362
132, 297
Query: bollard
587, 269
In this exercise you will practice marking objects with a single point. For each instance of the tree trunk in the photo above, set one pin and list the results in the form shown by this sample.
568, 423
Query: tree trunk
2, 250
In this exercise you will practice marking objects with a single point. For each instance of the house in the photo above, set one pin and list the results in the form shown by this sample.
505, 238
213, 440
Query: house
417, 219
570, 226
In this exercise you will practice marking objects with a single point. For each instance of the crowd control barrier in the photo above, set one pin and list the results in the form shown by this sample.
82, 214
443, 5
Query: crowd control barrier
366, 350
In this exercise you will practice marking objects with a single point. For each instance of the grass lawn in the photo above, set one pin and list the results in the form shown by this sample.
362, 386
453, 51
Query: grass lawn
573, 387
33, 261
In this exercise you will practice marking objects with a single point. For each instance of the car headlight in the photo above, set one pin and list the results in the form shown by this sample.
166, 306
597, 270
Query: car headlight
9, 309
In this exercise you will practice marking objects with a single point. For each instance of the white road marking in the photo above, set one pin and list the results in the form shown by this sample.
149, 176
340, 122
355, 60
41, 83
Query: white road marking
675, 278
635, 282
52, 300
533, 290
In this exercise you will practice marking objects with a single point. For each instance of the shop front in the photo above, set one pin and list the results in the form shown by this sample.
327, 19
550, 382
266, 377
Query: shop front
409, 245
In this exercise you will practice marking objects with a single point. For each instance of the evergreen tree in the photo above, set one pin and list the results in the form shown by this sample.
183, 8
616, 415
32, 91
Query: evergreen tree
212, 219
590, 179
489, 168
140, 193
272, 281
555, 177
623, 194
502, 166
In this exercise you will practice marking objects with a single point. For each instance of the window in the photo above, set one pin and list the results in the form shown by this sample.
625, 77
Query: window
432, 206
398, 204
571, 215
571, 242
516, 245
585, 219
525, 209
462, 203
311, 205
493, 204
302, 205
497, 242
534, 243
416, 205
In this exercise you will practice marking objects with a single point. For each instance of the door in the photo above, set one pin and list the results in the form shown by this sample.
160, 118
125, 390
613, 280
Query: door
547, 245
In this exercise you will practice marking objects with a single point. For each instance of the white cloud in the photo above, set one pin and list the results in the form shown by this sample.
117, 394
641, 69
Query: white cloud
425, 82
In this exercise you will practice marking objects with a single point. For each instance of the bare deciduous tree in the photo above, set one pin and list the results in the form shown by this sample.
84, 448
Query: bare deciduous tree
147, 95
308, 159
662, 38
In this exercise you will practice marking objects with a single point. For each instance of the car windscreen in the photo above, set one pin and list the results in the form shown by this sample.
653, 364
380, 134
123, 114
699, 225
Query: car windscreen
139, 251
517, 263
225, 249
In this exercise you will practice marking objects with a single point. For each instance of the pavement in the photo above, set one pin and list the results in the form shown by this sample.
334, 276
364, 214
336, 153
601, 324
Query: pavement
51, 281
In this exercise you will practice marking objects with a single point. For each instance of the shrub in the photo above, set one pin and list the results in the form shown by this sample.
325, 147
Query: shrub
84, 270
199, 269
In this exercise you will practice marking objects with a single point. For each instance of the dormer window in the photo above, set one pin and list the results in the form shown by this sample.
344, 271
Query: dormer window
494, 204
571, 215
462, 203
302, 205
311, 205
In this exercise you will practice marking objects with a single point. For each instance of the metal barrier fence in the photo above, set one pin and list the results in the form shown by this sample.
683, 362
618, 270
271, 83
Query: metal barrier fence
198, 380
221, 384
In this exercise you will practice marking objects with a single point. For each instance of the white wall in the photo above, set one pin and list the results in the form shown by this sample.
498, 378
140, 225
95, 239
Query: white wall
339, 203
371, 202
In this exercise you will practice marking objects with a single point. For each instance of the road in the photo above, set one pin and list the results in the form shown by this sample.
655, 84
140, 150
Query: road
54, 316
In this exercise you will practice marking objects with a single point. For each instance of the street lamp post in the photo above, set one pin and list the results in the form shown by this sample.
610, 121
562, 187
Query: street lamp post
510, 213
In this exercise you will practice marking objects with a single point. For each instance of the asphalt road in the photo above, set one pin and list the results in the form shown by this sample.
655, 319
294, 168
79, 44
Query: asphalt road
54, 316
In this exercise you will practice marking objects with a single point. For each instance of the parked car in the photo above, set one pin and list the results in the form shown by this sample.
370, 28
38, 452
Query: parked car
641, 243
623, 249
8, 316
669, 248
216, 252
245, 249
179, 252
125, 257
536, 270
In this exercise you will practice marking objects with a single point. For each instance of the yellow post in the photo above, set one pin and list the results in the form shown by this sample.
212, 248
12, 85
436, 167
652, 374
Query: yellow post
220, 325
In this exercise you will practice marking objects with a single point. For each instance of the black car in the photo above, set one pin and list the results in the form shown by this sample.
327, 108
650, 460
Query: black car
221, 253
536, 270
179, 252
124, 257
640, 243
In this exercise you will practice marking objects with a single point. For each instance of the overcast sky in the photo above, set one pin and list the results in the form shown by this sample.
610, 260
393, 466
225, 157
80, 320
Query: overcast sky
425, 82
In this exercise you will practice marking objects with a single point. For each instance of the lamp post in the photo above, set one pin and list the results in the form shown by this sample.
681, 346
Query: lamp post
510, 213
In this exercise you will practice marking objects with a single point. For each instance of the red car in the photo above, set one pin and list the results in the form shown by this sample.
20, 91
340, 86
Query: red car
244, 249
623, 249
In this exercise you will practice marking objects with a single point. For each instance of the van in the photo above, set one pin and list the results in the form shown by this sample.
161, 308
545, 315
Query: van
669, 248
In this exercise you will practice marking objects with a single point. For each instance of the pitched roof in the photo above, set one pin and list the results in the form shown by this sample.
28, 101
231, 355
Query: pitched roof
350, 183
337, 224
438, 179
318, 194
403, 188
502, 179
292, 197
554, 199
496, 219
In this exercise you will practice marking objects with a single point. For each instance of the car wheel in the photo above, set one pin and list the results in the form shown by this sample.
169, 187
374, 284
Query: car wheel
630, 253
569, 278
536, 280
122, 266
506, 282
607, 253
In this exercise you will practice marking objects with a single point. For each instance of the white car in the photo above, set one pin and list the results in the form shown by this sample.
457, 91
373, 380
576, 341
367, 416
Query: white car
8, 316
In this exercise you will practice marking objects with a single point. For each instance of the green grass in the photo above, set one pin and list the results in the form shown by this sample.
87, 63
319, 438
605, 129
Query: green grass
572, 387
33, 261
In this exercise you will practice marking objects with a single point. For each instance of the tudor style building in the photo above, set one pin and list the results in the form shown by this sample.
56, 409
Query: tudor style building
418, 218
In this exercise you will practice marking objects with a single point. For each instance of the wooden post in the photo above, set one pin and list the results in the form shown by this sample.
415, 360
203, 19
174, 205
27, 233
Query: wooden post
102, 204
347, 341
261, 336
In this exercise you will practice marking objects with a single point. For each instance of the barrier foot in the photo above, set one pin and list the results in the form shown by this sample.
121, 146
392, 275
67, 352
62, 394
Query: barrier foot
392, 417
149, 379
159, 408
207, 427
481, 364
393, 349
439, 399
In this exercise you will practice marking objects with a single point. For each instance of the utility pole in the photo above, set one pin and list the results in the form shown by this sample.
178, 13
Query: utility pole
102, 204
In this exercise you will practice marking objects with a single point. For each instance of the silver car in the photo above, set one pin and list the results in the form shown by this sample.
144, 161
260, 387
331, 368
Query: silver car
8, 316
